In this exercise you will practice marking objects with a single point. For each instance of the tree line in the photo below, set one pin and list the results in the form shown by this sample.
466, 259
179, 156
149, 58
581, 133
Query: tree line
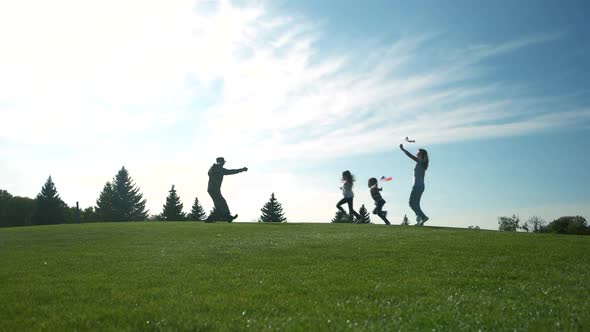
120, 200
562, 225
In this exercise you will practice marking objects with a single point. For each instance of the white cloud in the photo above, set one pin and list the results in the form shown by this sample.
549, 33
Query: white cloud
297, 104
91, 69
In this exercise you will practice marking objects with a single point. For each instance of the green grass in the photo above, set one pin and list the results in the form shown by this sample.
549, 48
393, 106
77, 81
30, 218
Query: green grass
196, 276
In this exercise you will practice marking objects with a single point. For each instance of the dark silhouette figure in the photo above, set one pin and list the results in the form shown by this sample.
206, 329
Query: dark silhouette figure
421, 160
379, 201
216, 173
347, 182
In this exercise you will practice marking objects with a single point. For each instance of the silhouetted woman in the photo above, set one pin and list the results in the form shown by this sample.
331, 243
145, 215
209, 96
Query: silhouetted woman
421, 160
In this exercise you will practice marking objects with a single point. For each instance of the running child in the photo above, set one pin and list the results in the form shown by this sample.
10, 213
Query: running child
379, 201
348, 181
421, 160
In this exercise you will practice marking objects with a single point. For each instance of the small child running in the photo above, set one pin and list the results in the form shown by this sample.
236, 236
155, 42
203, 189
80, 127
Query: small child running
348, 181
379, 201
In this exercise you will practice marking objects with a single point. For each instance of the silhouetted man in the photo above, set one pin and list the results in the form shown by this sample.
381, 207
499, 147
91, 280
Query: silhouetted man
216, 173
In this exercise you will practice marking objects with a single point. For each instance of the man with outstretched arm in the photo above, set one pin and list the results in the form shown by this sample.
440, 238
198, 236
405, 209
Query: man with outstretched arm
216, 173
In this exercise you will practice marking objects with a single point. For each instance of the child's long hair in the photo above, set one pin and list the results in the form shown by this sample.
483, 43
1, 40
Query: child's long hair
348, 177
372, 182
425, 157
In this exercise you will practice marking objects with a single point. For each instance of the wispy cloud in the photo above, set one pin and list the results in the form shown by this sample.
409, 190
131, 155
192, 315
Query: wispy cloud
70, 74
287, 98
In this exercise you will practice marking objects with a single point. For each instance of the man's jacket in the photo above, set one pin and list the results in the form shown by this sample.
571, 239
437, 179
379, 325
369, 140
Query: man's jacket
216, 173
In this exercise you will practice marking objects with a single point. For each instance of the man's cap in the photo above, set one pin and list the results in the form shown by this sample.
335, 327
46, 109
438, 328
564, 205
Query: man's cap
220, 159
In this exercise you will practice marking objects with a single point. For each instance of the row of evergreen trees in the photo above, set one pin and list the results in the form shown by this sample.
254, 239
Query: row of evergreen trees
119, 200
342, 217
272, 211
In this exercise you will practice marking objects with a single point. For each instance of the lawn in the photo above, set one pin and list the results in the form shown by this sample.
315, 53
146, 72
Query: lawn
239, 276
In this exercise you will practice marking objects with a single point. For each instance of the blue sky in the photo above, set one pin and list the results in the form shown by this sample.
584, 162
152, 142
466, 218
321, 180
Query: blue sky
298, 91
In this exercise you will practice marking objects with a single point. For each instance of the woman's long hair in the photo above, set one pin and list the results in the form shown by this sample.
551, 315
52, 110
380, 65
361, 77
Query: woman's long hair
424, 157
348, 177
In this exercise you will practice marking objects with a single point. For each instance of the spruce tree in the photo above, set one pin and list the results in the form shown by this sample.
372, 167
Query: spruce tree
128, 203
365, 218
50, 207
197, 212
340, 217
173, 208
104, 204
272, 211
405, 221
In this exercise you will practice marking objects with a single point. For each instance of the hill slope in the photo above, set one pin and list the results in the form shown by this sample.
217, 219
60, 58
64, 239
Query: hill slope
193, 276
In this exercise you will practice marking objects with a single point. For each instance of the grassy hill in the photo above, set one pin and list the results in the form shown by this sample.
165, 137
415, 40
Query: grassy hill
196, 276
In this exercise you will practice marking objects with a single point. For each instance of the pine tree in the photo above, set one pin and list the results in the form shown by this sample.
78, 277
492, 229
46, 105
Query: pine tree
341, 217
405, 221
272, 211
104, 204
365, 218
50, 207
128, 203
173, 208
197, 212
